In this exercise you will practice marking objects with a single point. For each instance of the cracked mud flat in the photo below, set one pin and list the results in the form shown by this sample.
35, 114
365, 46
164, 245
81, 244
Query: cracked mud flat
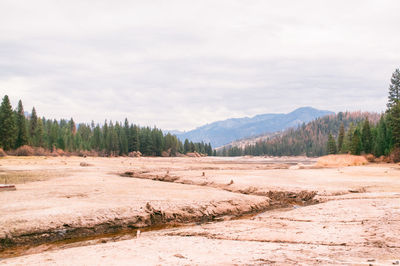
344, 228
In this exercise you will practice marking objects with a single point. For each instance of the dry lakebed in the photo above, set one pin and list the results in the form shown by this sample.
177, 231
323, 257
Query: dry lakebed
197, 211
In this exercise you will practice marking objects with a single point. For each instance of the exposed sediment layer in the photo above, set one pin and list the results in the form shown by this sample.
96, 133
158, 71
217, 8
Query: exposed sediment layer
151, 217
279, 199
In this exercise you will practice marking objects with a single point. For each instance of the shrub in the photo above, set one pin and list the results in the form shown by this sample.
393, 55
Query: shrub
24, 151
83, 153
57, 152
39, 151
395, 155
2, 153
370, 158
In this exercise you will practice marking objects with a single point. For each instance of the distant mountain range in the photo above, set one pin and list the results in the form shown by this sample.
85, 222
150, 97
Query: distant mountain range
223, 132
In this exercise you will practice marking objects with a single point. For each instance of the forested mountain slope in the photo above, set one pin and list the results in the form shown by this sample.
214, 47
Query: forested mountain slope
308, 139
223, 132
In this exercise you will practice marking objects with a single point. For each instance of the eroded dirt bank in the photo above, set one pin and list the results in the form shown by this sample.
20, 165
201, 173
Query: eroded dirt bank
347, 227
128, 204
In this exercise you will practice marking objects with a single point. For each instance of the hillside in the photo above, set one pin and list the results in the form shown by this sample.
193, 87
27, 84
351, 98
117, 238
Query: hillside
308, 139
223, 132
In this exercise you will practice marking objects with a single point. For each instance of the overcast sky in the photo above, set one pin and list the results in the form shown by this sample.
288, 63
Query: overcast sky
181, 64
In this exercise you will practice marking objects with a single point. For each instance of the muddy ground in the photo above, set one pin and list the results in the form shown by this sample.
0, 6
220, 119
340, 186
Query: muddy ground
85, 211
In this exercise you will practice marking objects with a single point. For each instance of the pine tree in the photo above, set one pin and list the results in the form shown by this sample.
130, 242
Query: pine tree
356, 143
104, 145
113, 140
135, 138
186, 146
127, 133
146, 142
394, 120
157, 142
72, 126
366, 137
348, 140
331, 145
341, 137
40, 133
394, 89
123, 140
22, 138
33, 126
394, 108
7, 125
97, 138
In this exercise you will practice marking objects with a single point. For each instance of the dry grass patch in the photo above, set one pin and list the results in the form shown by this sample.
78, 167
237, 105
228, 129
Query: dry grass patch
341, 160
21, 177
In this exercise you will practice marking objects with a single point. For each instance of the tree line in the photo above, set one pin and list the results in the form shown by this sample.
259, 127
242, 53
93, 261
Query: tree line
381, 138
307, 139
109, 139
345, 132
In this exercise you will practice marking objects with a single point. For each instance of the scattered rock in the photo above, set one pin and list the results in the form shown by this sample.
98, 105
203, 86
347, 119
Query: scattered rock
84, 164
4, 187
128, 174
360, 190
149, 207
180, 256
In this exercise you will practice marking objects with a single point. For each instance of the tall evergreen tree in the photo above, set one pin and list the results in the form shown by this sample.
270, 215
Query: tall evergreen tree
135, 138
380, 142
186, 146
356, 146
113, 140
341, 137
366, 137
7, 125
123, 140
96, 141
146, 142
394, 107
331, 145
127, 133
394, 89
348, 140
40, 133
394, 120
22, 136
72, 126
33, 126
